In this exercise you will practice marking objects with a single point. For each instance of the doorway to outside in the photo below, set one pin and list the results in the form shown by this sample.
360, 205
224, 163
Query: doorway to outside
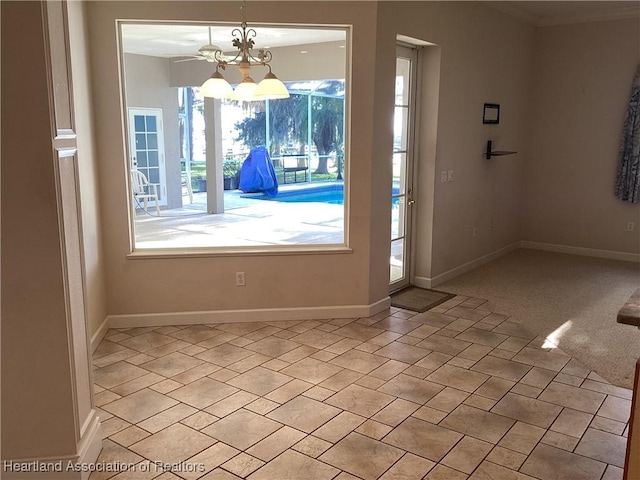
146, 139
403, 166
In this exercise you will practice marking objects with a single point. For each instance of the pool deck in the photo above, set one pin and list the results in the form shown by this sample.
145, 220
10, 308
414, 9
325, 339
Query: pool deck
247, 221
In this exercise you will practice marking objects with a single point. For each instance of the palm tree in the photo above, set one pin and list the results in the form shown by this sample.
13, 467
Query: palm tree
252, 130
288, 124
327, 115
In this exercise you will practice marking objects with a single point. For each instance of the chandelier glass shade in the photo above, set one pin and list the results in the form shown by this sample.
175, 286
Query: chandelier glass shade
270, 88
247, 90
216, 86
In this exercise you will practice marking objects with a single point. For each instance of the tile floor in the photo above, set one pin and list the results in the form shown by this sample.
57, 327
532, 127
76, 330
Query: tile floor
458, 392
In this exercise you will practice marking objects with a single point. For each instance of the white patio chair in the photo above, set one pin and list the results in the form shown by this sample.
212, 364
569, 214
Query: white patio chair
143, 190
186, 183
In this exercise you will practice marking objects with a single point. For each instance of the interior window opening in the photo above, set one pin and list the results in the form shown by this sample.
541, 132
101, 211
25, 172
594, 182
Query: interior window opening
197, 163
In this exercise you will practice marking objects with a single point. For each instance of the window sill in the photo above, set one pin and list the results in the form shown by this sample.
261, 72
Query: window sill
237, 252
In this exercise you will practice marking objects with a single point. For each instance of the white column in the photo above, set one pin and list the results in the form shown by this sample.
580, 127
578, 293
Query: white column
213, 139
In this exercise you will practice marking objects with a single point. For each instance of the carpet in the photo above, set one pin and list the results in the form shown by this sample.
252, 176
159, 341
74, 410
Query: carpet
570, 300
419, 299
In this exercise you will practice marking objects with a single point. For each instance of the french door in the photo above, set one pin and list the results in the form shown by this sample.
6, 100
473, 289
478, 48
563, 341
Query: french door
402, 162
146, 142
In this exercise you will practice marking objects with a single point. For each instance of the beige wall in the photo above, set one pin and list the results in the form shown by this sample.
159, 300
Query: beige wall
47, 398
484, 57
32, 287
95, 288
147, 86
196, 284
582, 81
481, 56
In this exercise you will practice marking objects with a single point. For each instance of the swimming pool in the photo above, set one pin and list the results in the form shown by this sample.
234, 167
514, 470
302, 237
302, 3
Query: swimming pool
332, 194
334, 197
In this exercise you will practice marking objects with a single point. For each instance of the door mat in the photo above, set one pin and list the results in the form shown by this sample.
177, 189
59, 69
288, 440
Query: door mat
419, 299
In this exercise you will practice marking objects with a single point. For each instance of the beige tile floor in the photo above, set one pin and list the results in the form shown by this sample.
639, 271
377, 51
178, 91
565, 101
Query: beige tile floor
458, 392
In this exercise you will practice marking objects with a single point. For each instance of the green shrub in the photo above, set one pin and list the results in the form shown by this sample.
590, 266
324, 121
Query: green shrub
231, 168
198, 169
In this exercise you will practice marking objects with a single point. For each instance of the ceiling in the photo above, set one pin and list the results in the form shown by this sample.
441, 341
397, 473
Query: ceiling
552, 12
173, 40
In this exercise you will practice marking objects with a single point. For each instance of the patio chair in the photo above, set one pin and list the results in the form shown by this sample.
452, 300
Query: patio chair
185, 178
143, 190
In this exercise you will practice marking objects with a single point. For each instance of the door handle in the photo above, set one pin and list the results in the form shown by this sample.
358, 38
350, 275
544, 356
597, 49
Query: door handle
410, 200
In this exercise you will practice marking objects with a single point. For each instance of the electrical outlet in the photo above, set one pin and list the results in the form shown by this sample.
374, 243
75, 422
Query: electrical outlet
631, 226
450, 176
475, 231
443, 176
240, 280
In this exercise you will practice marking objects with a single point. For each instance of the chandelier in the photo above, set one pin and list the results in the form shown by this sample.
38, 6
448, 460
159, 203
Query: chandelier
247, 90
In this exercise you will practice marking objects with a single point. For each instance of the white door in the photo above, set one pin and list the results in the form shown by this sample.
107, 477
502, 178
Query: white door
402, 162
146, 147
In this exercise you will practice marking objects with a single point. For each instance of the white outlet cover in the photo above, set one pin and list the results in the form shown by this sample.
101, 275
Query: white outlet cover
443, 176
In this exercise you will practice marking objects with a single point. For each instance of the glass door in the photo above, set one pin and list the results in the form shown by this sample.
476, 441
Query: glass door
402, 163
146, 143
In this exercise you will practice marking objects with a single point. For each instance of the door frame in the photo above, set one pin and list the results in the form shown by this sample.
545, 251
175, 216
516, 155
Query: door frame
411, 52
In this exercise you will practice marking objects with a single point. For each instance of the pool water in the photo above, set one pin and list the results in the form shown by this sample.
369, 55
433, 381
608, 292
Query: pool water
335, 197
332, 194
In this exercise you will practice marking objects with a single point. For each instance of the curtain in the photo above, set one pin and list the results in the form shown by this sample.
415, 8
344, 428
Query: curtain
628, 174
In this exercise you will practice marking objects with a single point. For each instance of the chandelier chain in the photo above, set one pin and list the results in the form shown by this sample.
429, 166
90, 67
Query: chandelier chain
243, 39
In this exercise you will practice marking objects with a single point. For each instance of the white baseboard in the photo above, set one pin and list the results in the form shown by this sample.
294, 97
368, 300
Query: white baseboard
256, 315
586, 252
60, 468
99, 334
91, 442
426, 282
422, 282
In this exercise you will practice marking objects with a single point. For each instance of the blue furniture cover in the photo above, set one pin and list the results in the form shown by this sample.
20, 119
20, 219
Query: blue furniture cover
257, 173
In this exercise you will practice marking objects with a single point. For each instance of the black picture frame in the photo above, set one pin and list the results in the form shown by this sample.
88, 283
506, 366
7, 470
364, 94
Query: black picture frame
491, 113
